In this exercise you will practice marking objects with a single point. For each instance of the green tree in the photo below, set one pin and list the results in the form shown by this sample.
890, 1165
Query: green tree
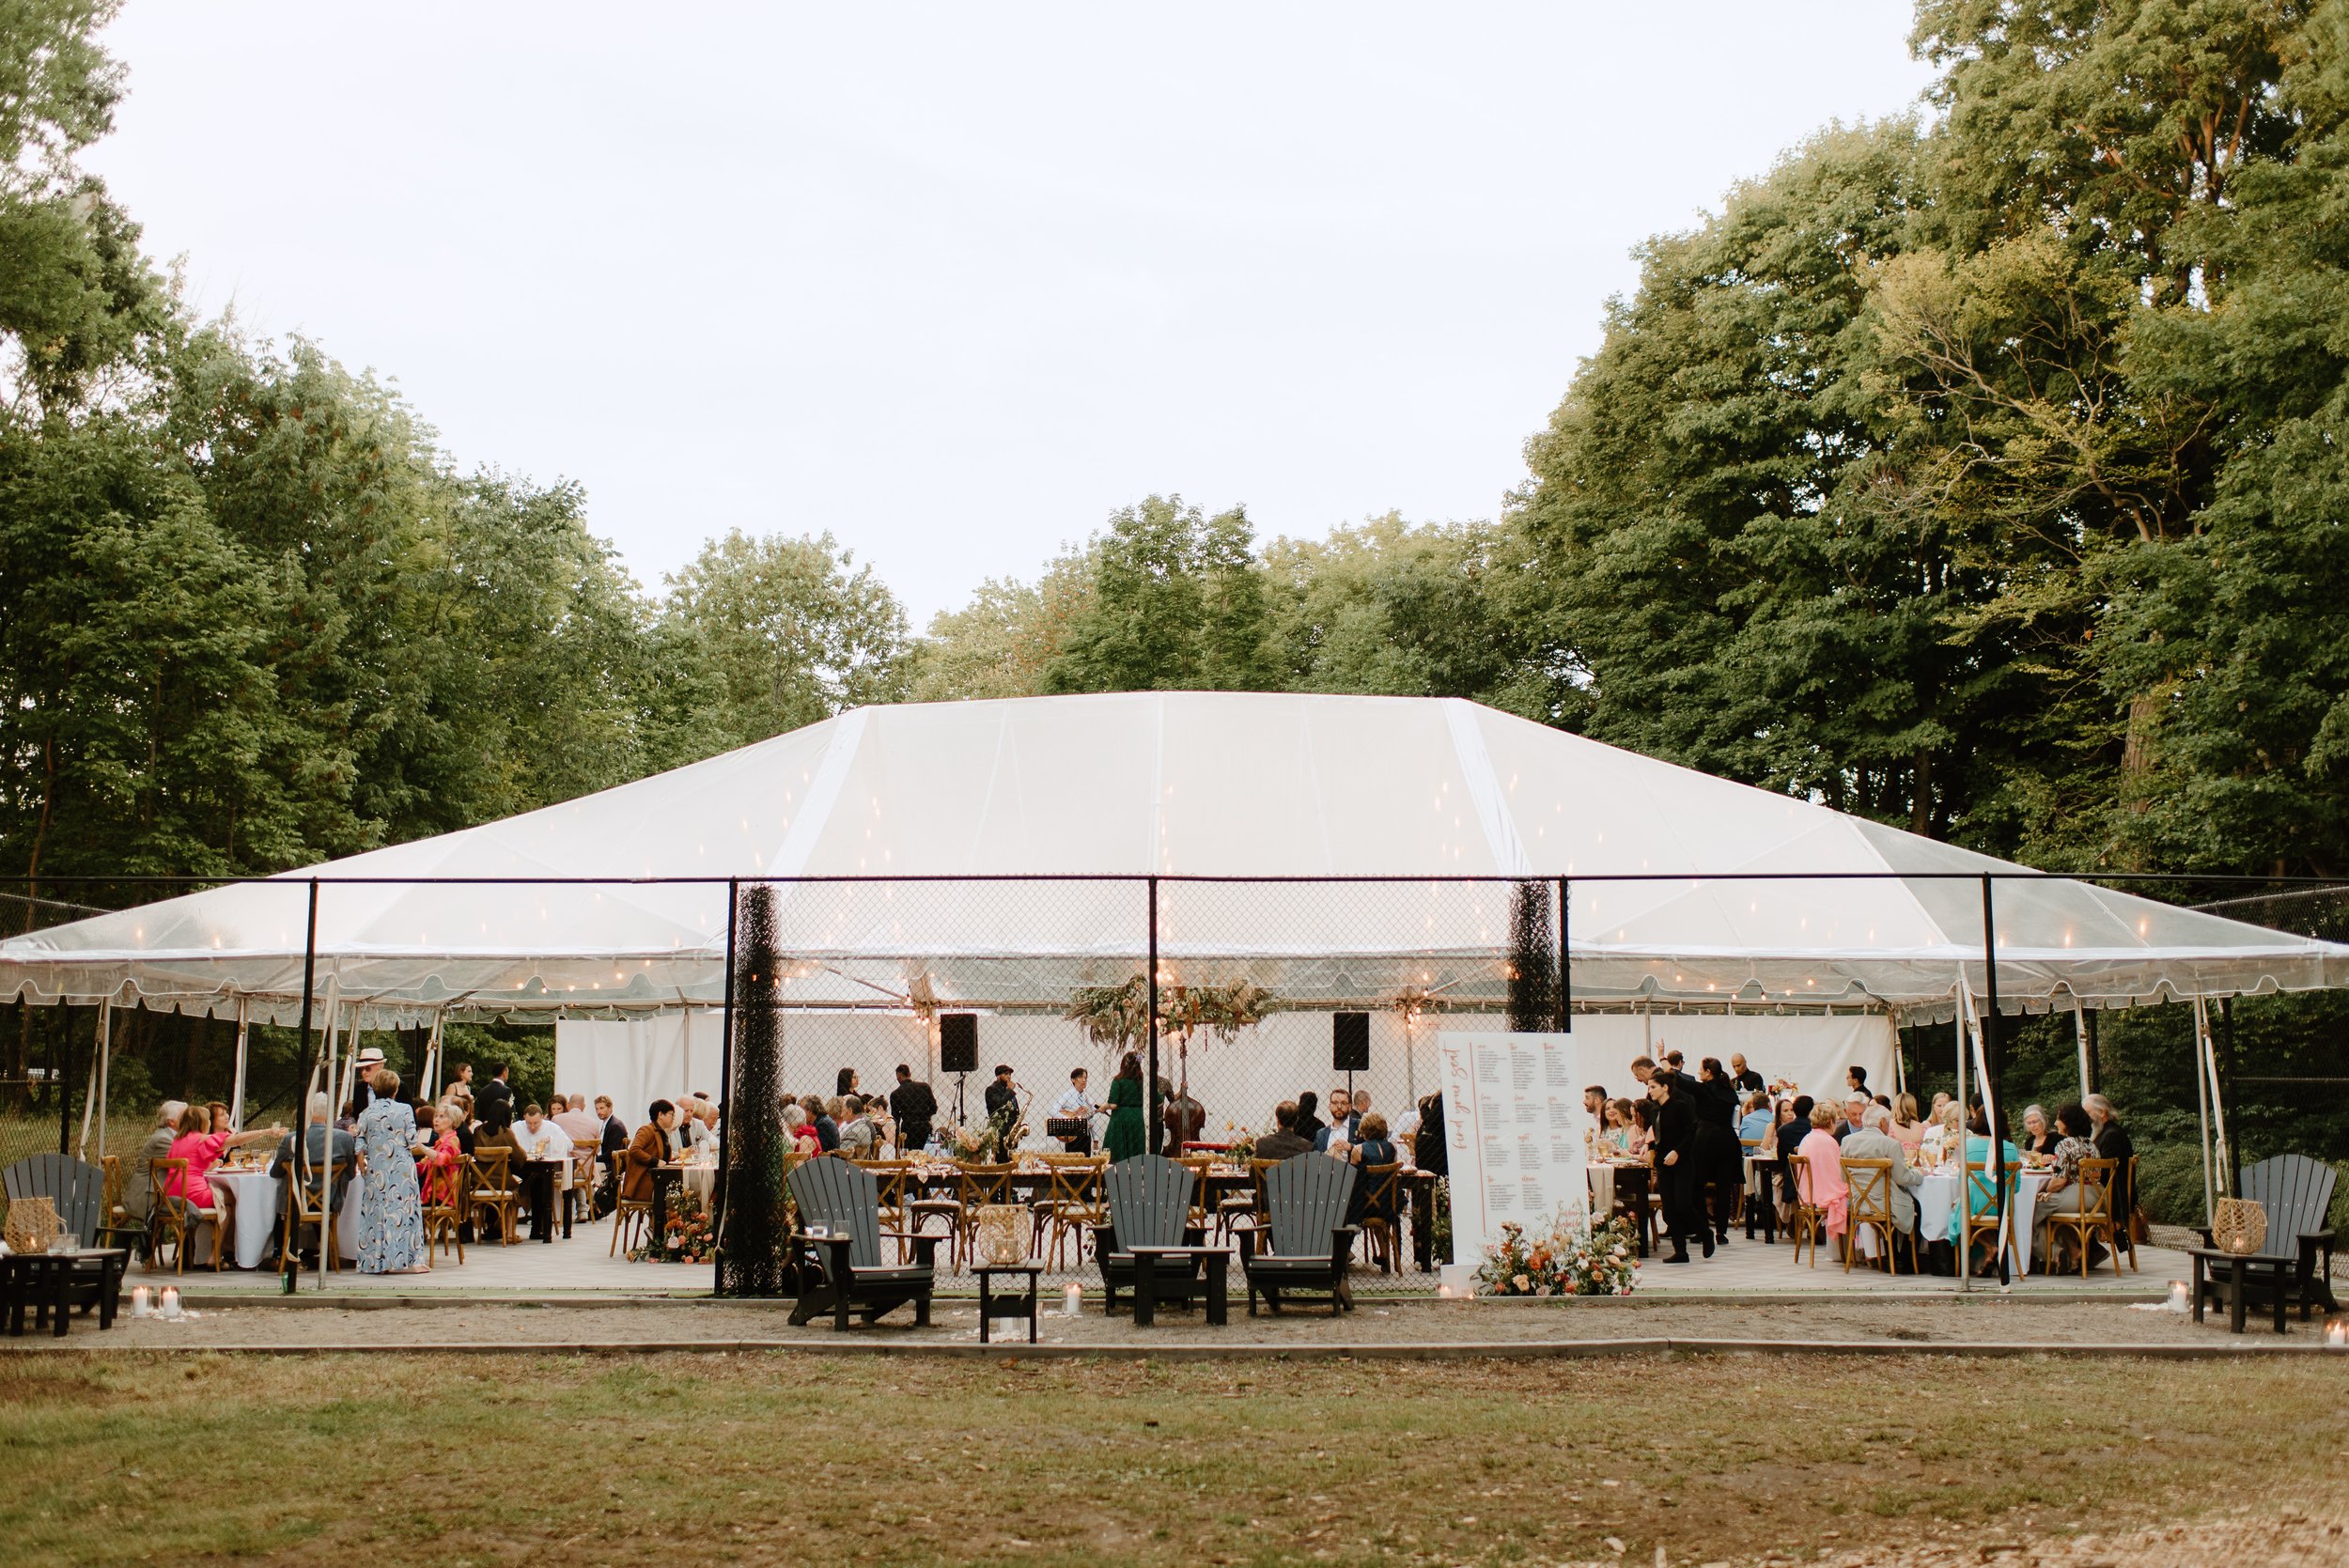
792, 631
1177, 604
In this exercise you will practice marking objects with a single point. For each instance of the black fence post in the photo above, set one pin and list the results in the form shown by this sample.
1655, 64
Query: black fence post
61, 1079
310, 986
1990, 1065
727, 1103
1150, 1089
1565, 963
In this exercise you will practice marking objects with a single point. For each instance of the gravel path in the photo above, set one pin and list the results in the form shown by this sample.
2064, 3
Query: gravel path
489, 1325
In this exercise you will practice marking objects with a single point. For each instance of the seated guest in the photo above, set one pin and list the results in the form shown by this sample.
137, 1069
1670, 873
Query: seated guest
2113, 1143
1909, 1129
1373, 1148
201, 1147
1793, 1125
539, 1138
2039, 1135
1617, 1133
708, 1112
321, 1146
580, 1124
1856, 1106
1979, 1188
1753, 1127
2075, 1141
1875, 1141
613, 1134
1282, 1142
646, 1153
440, 1166
1824, 1187
859, 1138
219, 1113
1642, 1127
138, 1188
493, 1139
827, 1131
1594, 1101
1309, 1122
796, 1126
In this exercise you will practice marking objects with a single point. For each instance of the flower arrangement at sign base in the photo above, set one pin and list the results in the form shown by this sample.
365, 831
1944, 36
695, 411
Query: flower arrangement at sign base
686, 1235
1567, 1257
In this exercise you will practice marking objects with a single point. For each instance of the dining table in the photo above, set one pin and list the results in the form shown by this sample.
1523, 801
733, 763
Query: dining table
1936, 1214
255, 1199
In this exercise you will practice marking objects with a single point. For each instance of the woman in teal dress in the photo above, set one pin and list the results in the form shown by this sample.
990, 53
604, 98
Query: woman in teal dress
1125, 1138
391, 1216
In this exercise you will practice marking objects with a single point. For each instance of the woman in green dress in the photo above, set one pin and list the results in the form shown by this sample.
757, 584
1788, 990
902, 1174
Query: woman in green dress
1125, 1138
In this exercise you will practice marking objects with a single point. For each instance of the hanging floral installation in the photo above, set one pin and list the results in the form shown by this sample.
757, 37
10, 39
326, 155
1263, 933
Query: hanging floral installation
1117, 1017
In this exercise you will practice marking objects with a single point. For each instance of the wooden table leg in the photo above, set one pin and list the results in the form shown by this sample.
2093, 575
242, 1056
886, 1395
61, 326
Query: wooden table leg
1219, 1308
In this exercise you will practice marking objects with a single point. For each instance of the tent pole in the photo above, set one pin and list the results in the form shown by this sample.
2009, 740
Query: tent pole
1150, 1090
1965, 1006
289, 1256
2222, 1070
1990, 1065
2201, 1105
89, 1094
105, 1061
236, 1090
725, 1097
2080, 1027
335, 1098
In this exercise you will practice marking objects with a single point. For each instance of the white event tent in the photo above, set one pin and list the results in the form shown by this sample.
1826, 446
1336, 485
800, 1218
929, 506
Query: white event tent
877, 831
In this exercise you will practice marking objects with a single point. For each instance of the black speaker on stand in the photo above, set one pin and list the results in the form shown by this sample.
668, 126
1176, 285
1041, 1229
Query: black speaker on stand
1349, 1045
958, 1052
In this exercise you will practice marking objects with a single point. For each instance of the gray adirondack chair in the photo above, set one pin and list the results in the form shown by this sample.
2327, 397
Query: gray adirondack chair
1148, 1202
846, 1275
2297, 1194
77, 1187
1305, 1198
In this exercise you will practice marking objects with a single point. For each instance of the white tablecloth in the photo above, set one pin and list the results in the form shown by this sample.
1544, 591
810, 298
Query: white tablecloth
1937, 1213
255, 1216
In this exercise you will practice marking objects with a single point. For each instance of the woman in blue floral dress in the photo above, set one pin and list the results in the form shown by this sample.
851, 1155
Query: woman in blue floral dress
391, 1215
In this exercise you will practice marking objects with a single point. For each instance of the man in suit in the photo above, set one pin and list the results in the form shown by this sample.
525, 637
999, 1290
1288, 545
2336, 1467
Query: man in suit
1873, 1139
494, 1104
913, 1104
1345, 1121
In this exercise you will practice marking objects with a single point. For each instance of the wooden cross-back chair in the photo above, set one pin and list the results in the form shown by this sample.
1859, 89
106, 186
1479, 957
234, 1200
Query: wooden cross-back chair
1146, 1203
2297, 1193
1199, 1166
172, 1218
1070, 1206
2085, 1212
841, 1272
488, 1184
1381, 1187
1805, 1220
1869, 1207
1303, 1223
1978, 1188
890, 1178
976, 1186
311, 1202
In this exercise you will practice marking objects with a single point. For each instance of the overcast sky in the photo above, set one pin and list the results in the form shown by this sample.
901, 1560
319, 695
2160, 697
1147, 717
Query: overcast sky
955, 282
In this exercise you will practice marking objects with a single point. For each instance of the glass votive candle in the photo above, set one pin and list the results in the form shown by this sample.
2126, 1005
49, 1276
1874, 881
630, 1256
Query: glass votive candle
2180, 1301
141, 1306
171, 1304
2336, 1333
1072, 1300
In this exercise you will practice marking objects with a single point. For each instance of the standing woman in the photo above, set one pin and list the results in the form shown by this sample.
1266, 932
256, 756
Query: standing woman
1126, 1133
391, 1215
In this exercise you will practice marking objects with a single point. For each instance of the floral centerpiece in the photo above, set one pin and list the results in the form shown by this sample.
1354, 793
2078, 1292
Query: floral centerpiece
1239, 1144
1564, 1258
685, 1234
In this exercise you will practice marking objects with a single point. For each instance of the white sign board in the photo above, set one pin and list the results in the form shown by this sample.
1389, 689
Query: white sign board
1520, 1137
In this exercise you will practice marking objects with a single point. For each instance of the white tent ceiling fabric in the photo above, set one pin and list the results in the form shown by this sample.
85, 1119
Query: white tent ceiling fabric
1104, 791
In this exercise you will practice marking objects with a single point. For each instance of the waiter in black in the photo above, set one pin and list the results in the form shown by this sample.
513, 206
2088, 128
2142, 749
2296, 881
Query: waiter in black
1675, 1151
913, 1104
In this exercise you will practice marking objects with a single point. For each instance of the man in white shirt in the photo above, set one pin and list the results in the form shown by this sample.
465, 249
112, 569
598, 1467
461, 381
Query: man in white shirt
542, 1140
541, 1137
1076, 1103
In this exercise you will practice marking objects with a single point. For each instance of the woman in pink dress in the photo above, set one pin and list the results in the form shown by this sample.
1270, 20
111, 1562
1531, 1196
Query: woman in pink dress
201, 1148
437, 1162
1822, 1186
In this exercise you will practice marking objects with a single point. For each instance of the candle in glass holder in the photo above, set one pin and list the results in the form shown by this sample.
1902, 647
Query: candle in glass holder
2179, 1301
171, 1304
1072, 1299
140, 1305
2336, 1333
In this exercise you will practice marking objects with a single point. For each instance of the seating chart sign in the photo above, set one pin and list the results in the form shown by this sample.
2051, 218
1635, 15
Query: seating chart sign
1519, 1139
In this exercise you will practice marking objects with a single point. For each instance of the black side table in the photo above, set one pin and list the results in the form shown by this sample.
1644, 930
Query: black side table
53, 1284
1022, 1302
2239, 1272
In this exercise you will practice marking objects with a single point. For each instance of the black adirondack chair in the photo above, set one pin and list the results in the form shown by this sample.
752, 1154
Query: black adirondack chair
1148, 1202
1305, 1198
2297, 1193
77, 1188
842, 1272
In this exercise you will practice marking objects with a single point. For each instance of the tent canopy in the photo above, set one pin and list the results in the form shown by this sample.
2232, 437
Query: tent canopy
1102, 791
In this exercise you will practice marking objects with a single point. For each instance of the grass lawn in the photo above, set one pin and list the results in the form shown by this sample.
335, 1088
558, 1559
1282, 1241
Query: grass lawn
795, 1457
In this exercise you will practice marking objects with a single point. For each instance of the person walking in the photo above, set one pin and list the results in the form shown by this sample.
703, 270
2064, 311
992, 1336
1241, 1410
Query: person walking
1677, 1156
391, 1212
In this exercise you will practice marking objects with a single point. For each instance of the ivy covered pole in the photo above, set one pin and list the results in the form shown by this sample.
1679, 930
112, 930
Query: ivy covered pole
751, 1247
